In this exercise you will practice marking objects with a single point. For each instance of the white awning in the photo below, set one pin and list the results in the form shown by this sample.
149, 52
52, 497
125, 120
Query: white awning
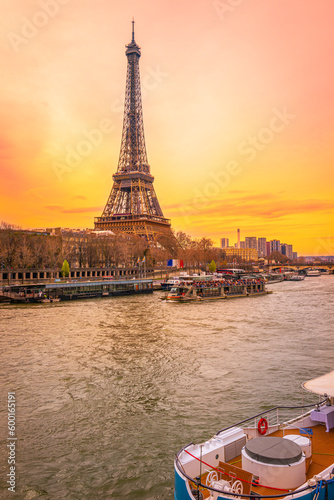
321, 385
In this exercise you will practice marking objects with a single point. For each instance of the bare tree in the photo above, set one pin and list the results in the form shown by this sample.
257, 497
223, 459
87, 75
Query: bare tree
9, 246
278, 257
92, 251
8, 225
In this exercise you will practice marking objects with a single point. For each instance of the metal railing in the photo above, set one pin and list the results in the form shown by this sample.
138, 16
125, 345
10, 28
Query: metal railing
275, 409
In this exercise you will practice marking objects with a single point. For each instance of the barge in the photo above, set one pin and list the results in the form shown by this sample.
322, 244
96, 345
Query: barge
55, 292
284, 452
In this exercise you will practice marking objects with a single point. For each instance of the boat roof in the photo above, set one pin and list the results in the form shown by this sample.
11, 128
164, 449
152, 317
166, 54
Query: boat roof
25, 285
74, 284
323, 385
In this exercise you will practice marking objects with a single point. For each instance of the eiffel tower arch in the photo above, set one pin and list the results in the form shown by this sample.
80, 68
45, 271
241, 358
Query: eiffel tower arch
133, 206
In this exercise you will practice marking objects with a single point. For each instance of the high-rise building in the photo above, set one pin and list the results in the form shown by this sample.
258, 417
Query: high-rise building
287, 251
251, 242
262, 247
132, 206
295, 256
238, 238
275, 246
224, 242
268, 248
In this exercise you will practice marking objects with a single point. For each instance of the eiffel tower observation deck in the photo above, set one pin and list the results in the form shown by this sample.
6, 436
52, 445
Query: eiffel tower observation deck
133, 206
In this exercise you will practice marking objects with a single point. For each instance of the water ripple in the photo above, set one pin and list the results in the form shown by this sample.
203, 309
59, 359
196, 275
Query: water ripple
108, 390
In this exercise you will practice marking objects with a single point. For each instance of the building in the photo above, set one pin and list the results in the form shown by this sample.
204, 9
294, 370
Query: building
238, 238
224, 242
268, 248
249, 254
295, 256
275, 246
251, 242
287, 251
240, 244
132, 206
262, 247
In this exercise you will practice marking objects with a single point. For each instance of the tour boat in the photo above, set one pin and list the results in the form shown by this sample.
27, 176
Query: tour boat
167, 285
313, 272
195, 289
297, 277
274, 278
285, 452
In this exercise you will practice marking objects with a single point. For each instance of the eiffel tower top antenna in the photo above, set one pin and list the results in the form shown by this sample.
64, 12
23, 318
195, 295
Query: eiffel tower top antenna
133, 30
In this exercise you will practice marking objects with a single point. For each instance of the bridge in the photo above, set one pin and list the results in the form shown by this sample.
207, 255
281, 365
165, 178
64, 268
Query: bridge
301, 267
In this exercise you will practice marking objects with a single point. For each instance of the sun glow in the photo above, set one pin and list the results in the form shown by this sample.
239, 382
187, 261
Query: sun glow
236, 107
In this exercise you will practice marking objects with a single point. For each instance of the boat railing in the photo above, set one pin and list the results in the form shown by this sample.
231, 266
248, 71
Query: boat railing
275, 416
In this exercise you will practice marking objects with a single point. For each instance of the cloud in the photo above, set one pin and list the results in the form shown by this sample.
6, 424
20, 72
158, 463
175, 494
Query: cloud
263, 206
83, 210
292, 207
77, 210
33, 192
54, 208
237, 191
79, 197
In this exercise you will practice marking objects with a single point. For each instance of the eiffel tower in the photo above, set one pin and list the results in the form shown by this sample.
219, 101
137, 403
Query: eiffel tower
133, 206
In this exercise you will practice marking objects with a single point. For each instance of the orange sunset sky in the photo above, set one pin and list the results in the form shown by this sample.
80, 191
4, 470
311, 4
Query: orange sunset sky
237, 102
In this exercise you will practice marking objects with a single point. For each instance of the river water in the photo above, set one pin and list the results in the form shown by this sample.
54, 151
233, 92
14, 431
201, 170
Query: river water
108, 390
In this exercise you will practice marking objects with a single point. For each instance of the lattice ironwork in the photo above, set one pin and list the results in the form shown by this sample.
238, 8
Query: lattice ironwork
132, 196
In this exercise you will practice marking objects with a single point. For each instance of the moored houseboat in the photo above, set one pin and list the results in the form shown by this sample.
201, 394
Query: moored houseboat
54, 292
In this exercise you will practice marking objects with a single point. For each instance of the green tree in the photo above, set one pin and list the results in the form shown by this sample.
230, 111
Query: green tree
212, 266
65, 270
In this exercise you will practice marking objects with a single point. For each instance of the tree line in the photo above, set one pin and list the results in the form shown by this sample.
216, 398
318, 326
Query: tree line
20, 249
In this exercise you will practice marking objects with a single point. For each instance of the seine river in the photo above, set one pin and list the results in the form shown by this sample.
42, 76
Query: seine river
108, 390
